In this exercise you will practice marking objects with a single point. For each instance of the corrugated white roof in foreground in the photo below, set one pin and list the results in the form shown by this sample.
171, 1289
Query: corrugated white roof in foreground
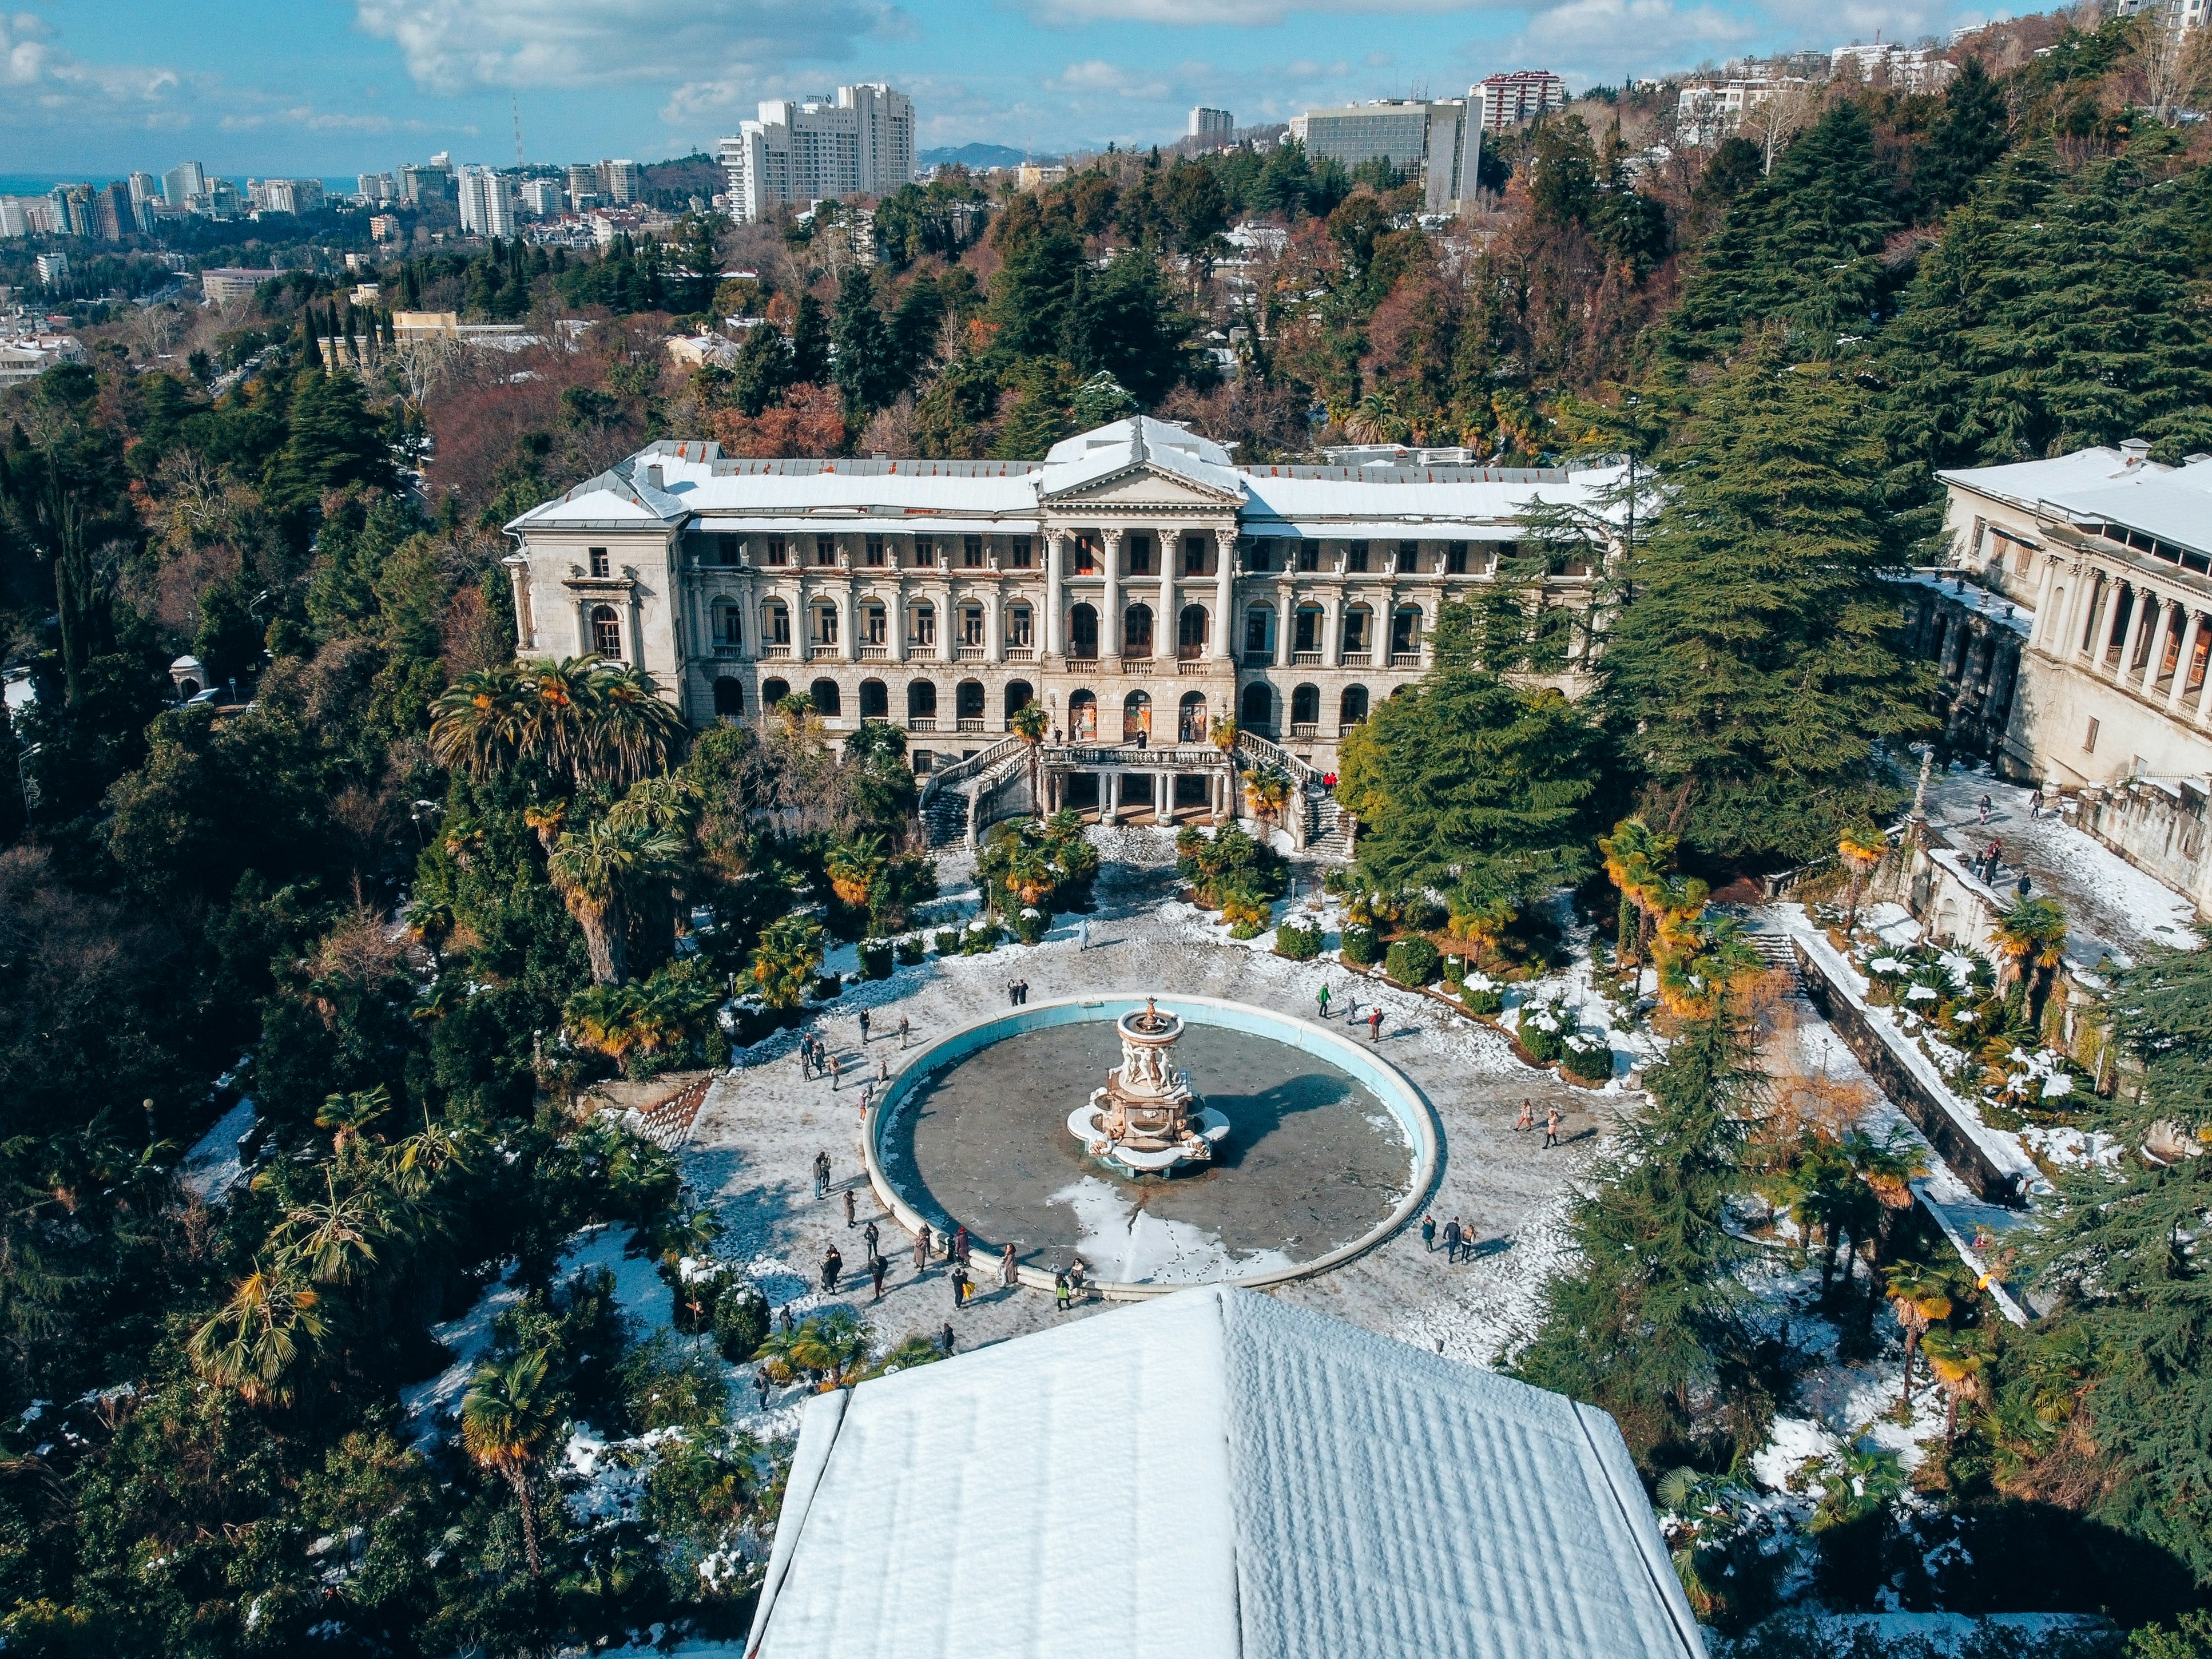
2173, 503
1214, 1473
1415, 498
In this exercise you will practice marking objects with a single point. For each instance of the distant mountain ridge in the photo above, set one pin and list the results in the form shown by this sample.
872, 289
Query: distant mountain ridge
975, 155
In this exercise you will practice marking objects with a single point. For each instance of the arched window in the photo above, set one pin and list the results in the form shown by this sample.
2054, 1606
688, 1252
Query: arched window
921, 705
827, 702
1358, 630
1083, 632
968, 705
1018, 697
1137, 631
1136, 717
875, 701
1260, 634
1351, 708
606, 632
1082, 717
1190, 634
1257, 712
772, 693
729, 697
1305, 711
1406, 632
1190, 718
776, 625
1310, 622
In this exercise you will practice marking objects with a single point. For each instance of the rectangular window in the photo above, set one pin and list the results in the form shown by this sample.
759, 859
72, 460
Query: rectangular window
825, 624
923, 761
726, 549
1355, 555
972, 553
825, 549
874, 619
598, 555
876, 550
2089, 740
1456, 559
1409, 555
925, 551
777, 554
1194, 556
972, 624
1256, 633
925, 626
1018, 552
1309, 555
1017, 626
1141, 556
1259, 555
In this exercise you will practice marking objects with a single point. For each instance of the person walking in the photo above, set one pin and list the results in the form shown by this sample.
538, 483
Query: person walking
850, 1220
1451, 1243
1552, 1128
959, 1283
870, 1236
902, 1026
1025, 994
959, 1246
1059, 1291
1006, 1275
789, 1324
2035, 805
921, 1251
760, 1382
1429, 1233
1322, 997
1985, 809
832, 1265
836, 1065
1375, 1024
806, 1059
868, 1098
1528, 1118
821, 1174
944, 1339
1010, 997
877, 1268
864, 1027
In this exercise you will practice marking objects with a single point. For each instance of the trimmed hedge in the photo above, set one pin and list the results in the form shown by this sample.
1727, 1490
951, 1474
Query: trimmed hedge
1298, 944
875, 959
1586, 1060
1363, 946
1413, 961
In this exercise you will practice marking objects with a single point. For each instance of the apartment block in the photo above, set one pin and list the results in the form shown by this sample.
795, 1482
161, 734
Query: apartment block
487, 202
860, 143
1440, 141
1210, 124
1516, 99
185, 187
544, 196
53, 269
284, 195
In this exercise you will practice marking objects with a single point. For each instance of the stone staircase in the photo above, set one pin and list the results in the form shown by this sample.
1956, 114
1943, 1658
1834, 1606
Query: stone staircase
1774, 949
1325, 836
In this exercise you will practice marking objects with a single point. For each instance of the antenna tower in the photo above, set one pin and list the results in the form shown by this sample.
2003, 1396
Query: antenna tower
515, 107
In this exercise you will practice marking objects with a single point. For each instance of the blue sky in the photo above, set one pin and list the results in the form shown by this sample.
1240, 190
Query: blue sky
333, 87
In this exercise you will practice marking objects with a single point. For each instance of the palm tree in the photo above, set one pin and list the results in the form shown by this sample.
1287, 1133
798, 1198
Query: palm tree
1375, 419
332, 1237
831, 1348
786, 960
251, 1346
1921, 1298
1029, 723
2031, 931
595, 870
1702, 963
1860, 849
1635, 860
1267, 791
853, 867
1888, 1164
509, 1415
1479, 919
479, 724
348, 1114
632, 731
1957, 1358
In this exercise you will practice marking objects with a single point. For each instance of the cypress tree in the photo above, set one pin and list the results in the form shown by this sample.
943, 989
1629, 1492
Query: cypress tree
1759, 662
1966, 141
810, 344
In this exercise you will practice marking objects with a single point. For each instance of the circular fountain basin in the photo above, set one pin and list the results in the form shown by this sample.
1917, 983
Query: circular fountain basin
1321, 1148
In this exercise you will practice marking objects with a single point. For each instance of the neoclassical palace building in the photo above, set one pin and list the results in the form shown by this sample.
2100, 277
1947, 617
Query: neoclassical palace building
1136, 582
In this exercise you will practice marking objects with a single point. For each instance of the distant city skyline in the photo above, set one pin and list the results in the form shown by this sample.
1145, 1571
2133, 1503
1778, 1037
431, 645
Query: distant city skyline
255, 89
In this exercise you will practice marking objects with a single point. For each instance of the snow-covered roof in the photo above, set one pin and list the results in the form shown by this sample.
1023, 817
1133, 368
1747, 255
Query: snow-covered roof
2173, 503
1091, 457
1214, 1473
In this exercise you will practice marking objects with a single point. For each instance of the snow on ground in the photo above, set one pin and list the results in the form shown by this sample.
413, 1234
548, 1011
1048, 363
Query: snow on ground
1120, 1240
468, 1339
212, 1169
2112, 908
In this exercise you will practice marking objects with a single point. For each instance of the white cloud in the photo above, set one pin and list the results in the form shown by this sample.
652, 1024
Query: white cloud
450, 46
1596, 40
1232, 13
1099, 75
48, 85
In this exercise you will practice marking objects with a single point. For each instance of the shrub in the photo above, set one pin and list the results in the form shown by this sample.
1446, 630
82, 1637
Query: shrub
910, 950
875, 959
1542, 1031
1248, 928
740, 1320
1032, 925
1412, 961
1482, 998
982, 935
1298, 938
1586, 1059
827, 987
1361, 945
948, 941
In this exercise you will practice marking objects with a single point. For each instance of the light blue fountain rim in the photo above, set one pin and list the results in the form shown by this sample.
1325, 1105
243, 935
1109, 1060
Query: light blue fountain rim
1399, 1094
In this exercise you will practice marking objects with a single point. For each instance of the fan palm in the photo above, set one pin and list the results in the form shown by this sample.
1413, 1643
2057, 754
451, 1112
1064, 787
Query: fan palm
1267, 791
594, 872
1921, 1298
1860, 849
333, 1238
831, 1347
1029, 723
1375, 419
508, 1416
1958, 1358
348, 1114
631, 731
1705, 961
2031, 932
786, 960
254, 1343
1635, 859
853, 868
479, 724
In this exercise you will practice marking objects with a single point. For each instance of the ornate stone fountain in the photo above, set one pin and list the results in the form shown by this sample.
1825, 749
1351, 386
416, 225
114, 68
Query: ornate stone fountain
1146, 1120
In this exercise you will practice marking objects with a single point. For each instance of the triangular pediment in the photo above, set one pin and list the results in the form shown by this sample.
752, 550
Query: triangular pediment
1141, 484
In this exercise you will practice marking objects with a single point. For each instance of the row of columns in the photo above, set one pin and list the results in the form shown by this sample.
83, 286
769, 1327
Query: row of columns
2152, 613
1166, 614
1110, 803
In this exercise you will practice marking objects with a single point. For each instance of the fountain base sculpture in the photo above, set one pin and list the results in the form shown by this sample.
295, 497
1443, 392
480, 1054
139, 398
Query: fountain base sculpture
1146, 1120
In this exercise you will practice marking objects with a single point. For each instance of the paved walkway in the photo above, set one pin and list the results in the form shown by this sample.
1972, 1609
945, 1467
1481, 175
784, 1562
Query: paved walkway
754, 1144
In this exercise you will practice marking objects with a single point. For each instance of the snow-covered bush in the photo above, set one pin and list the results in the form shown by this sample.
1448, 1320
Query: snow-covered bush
875, 959
1031, 924
1412, 961
1361, 945
1542, 1030
1298, 937
1586, 1057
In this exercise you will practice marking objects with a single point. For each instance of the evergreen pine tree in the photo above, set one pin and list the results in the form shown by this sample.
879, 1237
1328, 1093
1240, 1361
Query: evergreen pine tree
1759, 662
1965, 142
1646, 1324
810, 344
867, 360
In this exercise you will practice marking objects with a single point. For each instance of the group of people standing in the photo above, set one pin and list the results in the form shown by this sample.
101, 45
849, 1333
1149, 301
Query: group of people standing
1457, 1236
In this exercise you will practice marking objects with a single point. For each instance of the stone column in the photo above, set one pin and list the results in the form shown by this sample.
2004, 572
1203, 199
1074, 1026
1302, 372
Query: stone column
1109, 604
2135, 612
1167, 638
1052, 596
995, 624
1332, 621
1162, 797
848, 623
1110, 796
2101, 637
2043, 599
2190, 630
2162, 619
1285, 623
1224, 596
2204, 698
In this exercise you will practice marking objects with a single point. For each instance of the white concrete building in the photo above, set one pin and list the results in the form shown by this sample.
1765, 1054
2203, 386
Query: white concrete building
544, 198
1911, 68
1442, 142
1506, 101
1136, 582
185, 187
861, 143
1209, 123
487, 202
1209, 1475
1706, 113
